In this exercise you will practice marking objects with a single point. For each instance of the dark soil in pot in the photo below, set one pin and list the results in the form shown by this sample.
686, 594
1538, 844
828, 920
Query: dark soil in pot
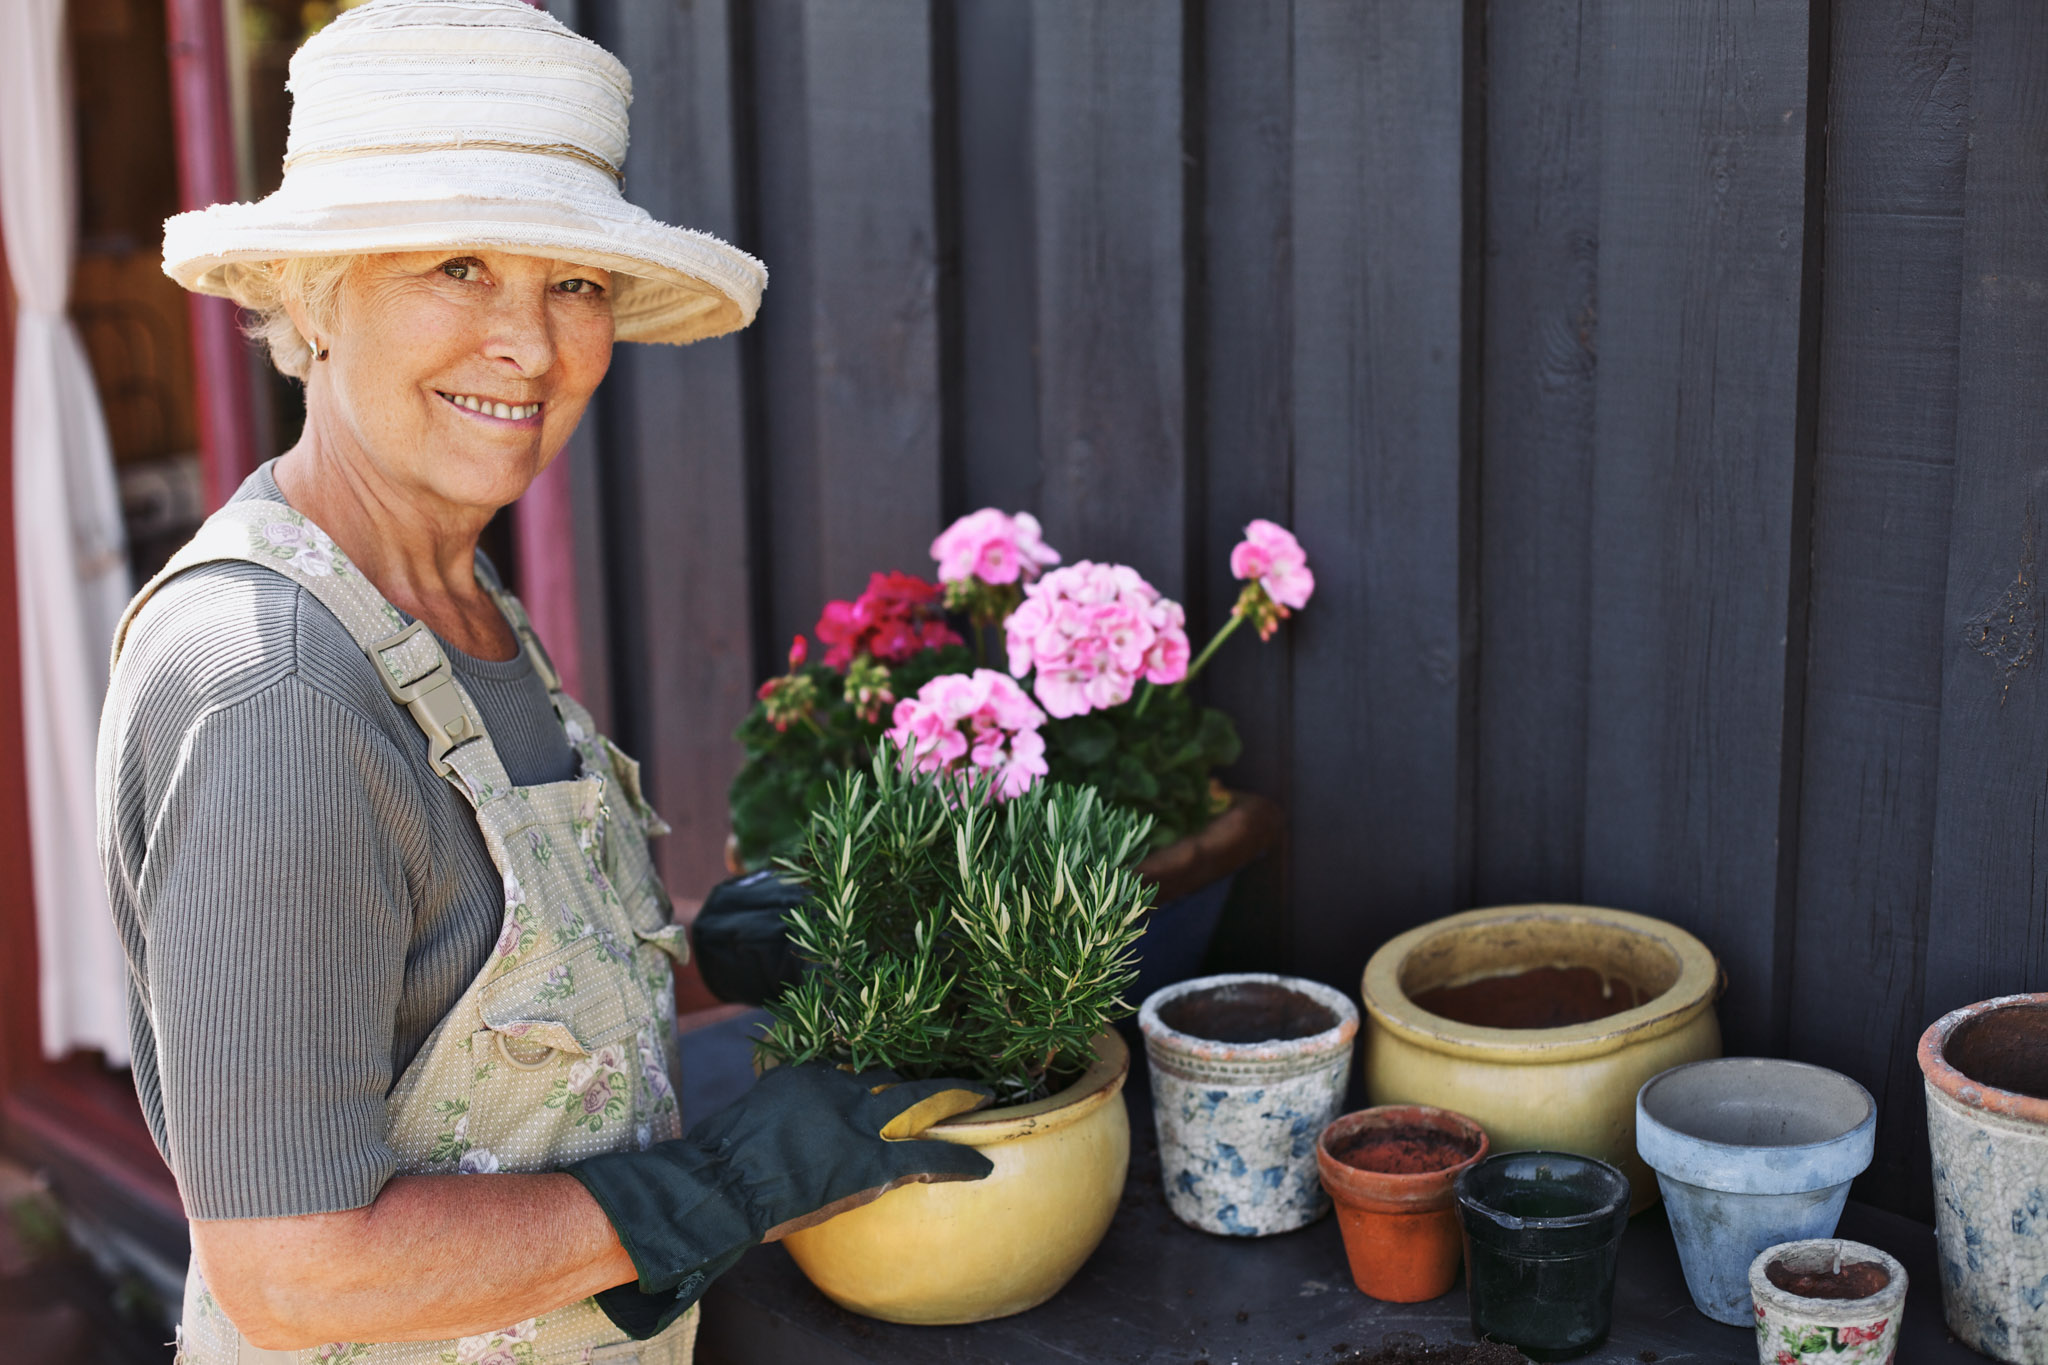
1247, 1012
1542, 997
1857, 1280
1408, 1150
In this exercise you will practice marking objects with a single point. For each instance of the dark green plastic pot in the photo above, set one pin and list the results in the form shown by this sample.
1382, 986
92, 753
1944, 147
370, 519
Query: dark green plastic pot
1542, 1237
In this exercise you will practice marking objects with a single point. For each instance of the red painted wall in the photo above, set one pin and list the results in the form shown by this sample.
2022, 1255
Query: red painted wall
20, 1028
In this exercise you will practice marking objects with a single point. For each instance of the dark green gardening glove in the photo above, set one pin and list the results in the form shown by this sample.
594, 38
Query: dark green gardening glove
805, 1143
739, 939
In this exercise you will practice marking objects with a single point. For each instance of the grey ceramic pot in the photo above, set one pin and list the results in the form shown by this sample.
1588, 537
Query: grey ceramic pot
1750, 1152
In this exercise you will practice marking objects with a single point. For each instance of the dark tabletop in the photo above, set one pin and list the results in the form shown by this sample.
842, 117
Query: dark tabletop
1158, 1292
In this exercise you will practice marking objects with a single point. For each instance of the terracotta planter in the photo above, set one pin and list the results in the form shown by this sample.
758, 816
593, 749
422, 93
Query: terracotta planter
1986, 1068
1246, 1070
1540, 1023
1400, 1221
1825, 1300
971, 1250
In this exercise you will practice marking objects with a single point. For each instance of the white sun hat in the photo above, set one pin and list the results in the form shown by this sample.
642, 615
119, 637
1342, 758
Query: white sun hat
419, 125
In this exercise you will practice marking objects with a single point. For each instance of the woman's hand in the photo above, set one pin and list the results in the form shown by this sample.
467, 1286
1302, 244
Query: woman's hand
805, 1143
436, 1256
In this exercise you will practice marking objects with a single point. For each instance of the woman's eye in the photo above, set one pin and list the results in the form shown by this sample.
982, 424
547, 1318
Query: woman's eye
458, 270
579, 287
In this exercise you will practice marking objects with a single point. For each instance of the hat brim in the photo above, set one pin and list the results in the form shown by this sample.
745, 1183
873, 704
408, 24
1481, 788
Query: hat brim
670, 284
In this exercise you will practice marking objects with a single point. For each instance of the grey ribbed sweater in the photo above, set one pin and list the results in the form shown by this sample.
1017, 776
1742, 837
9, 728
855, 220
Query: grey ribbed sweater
300, 897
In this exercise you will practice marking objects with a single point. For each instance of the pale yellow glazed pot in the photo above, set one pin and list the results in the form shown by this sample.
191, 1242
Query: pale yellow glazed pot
968, 1251
1569, 1089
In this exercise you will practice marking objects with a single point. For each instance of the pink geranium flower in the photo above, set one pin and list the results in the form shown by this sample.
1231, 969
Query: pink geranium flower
1277, 580
980, 723
1088, 633
994, 547
1271, 555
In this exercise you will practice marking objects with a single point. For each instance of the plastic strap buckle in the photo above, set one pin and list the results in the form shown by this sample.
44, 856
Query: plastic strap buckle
432, 698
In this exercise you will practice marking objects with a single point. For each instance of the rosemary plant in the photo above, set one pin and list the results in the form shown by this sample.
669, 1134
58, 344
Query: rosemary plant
947, 935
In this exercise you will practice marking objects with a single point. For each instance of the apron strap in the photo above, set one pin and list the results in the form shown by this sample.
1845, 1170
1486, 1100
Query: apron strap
529, 638
408, 659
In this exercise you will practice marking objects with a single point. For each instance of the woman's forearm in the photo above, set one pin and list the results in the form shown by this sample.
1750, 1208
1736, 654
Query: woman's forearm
434, 1257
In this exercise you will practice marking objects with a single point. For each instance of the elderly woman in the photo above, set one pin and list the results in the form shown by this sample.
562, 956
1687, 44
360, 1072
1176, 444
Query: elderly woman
403, 1013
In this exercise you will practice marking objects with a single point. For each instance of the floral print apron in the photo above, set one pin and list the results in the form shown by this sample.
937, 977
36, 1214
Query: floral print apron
562, 1047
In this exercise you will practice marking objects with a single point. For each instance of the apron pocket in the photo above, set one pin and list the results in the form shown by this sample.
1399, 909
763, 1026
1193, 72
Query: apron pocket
556, 1067
672, 939
567, 1001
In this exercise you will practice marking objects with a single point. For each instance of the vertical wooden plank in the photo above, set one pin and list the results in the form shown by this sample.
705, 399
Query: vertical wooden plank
589, 532
1898, 103
998, 277
1990, 886
673, 435
544, 527
1542, 320
792, 581
1107, 154
1379, 470
852, 365
874, 263
200, 82
1696, 476
1246, 337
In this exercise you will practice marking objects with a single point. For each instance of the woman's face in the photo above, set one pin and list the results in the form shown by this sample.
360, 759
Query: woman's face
459, 377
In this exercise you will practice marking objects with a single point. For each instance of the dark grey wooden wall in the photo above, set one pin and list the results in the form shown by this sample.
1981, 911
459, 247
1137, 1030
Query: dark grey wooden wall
1661, 391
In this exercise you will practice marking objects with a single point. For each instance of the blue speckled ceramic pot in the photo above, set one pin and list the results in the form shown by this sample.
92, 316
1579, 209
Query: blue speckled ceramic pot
1246, 1070
1986, 1067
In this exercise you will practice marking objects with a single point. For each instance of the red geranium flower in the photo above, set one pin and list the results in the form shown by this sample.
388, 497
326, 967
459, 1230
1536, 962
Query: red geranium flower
899, 615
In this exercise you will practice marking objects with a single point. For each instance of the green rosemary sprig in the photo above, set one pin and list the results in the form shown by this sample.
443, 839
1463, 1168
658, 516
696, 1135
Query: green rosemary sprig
949, 935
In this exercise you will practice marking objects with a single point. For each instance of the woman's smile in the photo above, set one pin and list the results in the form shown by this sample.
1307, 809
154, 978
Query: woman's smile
495, 411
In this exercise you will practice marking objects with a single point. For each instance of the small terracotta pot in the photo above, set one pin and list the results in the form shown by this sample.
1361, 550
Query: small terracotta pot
1400, 1229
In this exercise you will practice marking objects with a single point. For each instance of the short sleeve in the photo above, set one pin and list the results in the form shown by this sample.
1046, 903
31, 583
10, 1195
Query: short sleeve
276, 902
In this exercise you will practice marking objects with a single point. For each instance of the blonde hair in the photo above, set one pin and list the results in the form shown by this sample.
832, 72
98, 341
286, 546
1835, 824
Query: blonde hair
264, 288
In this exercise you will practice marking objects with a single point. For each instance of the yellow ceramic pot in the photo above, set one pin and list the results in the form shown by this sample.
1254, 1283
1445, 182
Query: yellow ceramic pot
968, 1251
1570, 1088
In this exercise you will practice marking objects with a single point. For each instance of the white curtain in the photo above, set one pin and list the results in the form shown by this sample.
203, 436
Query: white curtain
69, 552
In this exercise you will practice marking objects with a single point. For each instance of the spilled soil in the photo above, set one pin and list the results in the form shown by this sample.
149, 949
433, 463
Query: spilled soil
1857, 1280
1397, 1351
1542, 997
1247, 1012
1410, 1149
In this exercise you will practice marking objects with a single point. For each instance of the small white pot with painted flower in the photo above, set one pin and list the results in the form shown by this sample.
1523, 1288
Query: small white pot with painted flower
1827, 1300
